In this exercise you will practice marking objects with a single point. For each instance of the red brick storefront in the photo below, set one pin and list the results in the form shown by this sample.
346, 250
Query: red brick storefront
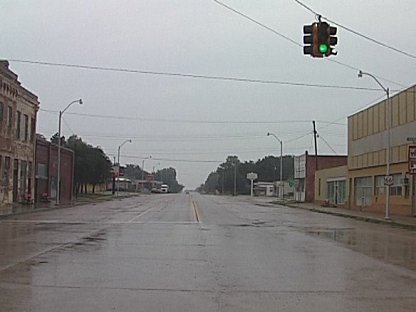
46, 171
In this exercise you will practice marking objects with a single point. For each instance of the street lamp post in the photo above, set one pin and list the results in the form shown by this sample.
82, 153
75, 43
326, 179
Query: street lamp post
281, 192
118, 163
58, 186
388, 117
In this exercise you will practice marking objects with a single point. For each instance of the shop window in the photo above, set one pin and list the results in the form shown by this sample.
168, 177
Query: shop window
380, 187
26, 127
336, 192
18, 123
9, 116
1, 114
396, 188
363, 191
42, 171
32, 129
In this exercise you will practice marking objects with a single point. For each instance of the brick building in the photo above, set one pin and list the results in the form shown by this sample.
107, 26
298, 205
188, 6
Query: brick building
47, 171
304, 170
18, 110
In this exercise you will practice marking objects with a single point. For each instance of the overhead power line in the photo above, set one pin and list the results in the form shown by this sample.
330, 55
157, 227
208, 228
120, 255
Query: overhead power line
194, 76
258, 23
192, 121
326, 142
358, 33
171, 159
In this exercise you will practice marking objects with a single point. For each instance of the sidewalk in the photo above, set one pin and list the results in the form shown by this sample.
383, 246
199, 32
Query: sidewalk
18, 208
399, 221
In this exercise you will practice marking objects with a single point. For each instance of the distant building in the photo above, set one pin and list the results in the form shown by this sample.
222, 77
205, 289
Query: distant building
304, 170
272, 189
18, 110
264, 189
123, 184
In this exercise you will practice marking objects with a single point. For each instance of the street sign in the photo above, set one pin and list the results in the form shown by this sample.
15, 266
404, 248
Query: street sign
252, 176
115, 171
388, 180
412, 159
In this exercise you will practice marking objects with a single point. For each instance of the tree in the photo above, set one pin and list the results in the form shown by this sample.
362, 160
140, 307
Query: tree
268, 170
168, 176
100, 170
226, 172
54, 139
211, 184
92, 166
133, 172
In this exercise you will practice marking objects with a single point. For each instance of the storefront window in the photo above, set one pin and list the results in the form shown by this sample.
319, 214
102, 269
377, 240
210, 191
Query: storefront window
396, 188
336, 191
380, 187
363, 191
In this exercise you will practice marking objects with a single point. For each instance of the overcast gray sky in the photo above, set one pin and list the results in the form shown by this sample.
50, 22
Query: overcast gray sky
193, 124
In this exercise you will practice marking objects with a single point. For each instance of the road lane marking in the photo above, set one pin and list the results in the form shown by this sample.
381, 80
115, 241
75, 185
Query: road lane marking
140, 215
196, 211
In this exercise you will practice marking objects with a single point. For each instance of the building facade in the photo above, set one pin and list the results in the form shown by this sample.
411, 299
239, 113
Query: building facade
305, 167
331, 187
18, 110
47, 171
368, 136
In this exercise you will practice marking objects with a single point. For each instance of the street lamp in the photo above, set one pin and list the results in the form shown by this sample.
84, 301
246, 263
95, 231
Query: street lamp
388, 117
118, 162
58, 186
281, 193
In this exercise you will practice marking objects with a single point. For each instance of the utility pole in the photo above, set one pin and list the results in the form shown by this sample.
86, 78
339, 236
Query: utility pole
113, 189
315, 133
223, 178
235, 178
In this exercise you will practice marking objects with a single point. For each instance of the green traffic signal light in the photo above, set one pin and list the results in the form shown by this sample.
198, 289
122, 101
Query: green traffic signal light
323, 48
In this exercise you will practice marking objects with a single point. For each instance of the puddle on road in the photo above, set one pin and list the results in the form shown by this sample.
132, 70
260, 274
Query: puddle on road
395, 247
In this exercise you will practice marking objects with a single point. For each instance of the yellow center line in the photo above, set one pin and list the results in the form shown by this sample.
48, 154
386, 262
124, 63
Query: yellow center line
196, 211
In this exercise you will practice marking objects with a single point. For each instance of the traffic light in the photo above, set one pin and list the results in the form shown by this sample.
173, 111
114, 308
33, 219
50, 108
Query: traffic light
310, 39
326, 39
319, 39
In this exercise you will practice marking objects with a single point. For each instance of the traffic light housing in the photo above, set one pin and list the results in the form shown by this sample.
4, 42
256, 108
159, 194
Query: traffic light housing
319, 39
326, 39
310, 39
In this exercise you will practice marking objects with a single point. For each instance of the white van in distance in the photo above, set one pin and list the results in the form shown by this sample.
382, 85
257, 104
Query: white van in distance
164, 188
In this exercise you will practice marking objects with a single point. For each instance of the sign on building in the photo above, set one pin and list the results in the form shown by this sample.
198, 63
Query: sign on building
412, 159
388, 180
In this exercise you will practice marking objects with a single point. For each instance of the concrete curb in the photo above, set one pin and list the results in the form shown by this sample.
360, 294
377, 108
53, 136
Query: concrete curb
369, 219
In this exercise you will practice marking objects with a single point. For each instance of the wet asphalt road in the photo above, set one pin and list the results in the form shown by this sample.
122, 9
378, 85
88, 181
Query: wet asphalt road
202, 253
